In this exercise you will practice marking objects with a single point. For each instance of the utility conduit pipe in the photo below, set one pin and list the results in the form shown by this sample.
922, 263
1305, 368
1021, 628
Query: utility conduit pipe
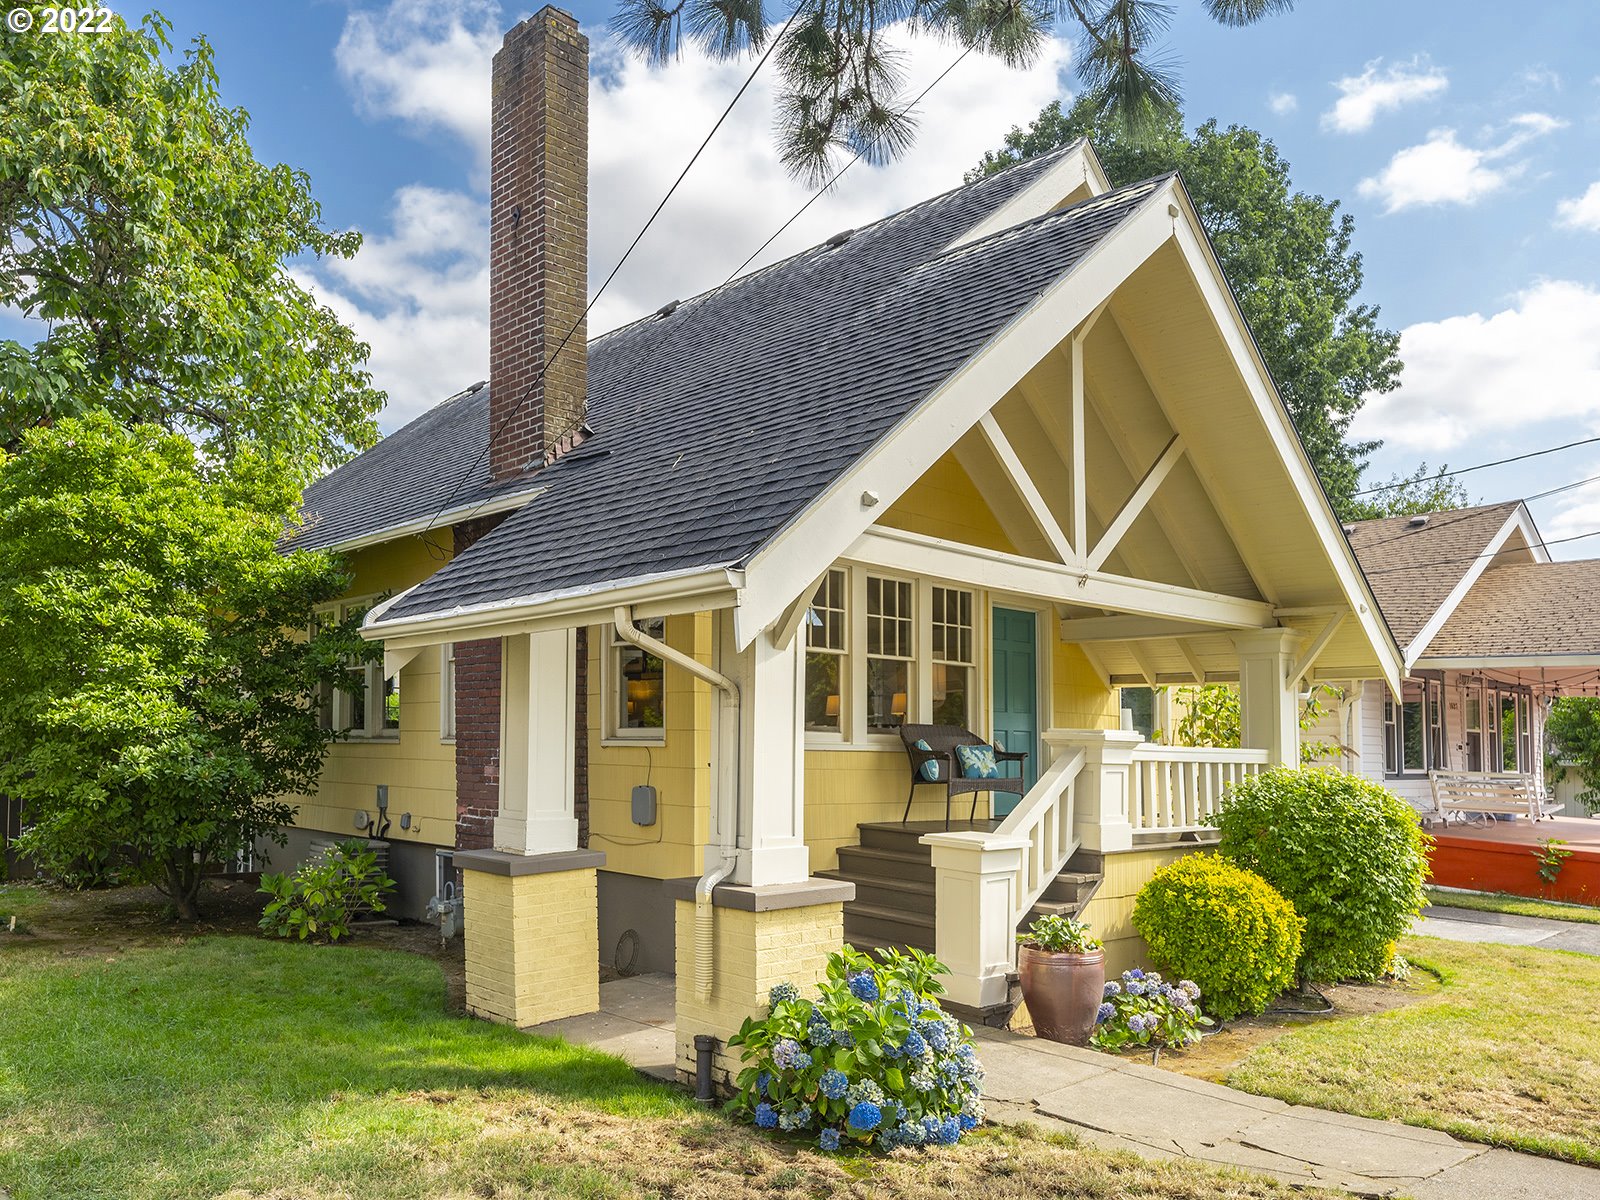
727, 788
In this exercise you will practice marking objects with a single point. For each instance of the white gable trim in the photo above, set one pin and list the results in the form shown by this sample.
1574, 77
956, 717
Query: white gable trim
1079, 167
1235, 333
778, 572
1519, 520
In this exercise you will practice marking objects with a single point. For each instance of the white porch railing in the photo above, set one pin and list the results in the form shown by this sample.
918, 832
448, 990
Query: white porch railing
1177, 789
1045, 817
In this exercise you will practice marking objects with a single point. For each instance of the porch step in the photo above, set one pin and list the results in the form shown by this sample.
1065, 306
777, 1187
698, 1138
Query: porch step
894, 878
890, 926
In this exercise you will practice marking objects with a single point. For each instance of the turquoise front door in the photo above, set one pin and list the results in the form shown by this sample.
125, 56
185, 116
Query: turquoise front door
1016, 693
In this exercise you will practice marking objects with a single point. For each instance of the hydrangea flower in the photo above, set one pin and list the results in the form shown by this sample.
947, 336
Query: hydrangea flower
762, 1080
914, 1046
1107, 1011
949, 1131
1136, 1024
818, 1031
781, 993
938, 1036
1136, 987
910, 1134
828, 1139
1189, 988
1135, 973
864, 1117
789, 1056
1113, 988
866, 1091
968, 1122
863, 986
834, 1083
795, 1119
766, 1116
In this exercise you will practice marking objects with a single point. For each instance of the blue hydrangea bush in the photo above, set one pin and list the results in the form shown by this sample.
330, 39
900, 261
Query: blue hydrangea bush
870, 1060
1142, 1009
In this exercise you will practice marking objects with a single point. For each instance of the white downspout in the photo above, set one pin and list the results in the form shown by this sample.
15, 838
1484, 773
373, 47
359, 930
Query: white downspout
727, 788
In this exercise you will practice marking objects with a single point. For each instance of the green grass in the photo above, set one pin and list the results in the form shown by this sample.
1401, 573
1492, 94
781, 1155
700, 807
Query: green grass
236, 1068
1502, 902
1505, 1052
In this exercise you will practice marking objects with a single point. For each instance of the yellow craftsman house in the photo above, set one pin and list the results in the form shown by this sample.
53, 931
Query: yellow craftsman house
680, 598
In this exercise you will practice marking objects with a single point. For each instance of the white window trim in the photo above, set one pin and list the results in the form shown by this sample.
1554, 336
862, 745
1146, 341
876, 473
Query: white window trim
371, 729
447, 693
611, 734
853, 735
840, 738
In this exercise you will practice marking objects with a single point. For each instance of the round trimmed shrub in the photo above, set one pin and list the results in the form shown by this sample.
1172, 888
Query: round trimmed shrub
1224, 927
1348, 854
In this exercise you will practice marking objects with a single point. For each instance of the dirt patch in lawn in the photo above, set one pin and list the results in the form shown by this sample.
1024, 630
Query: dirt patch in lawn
105, 922
1217, 1054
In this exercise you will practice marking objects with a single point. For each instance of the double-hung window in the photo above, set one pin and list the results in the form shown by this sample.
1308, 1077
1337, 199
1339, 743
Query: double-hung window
890, 653
447, 692
1413, 729
952, 656
638, 686
826, 644
363, 703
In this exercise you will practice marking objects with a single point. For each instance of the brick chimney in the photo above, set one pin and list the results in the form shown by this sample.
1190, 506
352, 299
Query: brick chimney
538, 241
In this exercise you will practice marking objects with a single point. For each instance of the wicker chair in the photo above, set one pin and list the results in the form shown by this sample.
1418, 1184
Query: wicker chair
942, 742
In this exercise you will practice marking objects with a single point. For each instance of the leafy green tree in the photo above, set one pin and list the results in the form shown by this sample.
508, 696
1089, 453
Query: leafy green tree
155, 697
1421, 491
1287, 254
1573, 734
138, 226
842, 88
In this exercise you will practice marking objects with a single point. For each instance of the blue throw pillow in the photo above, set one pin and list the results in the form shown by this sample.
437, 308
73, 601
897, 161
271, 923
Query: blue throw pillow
929, 769
977, 762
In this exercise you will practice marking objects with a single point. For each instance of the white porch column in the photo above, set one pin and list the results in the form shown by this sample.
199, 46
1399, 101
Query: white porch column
537, 723
771, 679
1269, 709
1105, 784
975, 880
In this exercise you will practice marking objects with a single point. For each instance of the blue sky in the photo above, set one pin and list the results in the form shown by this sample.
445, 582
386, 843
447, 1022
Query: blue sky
1465, 143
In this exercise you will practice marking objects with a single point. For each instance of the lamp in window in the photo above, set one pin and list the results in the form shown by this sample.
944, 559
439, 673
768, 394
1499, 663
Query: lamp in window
897, 706
638, 692
830, 707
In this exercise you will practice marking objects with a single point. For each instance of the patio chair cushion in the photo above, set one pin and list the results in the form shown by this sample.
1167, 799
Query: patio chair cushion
977, 762
929, 769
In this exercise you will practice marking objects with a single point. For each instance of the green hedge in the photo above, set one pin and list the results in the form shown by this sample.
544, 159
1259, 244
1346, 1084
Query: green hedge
1348, 854
1225, 928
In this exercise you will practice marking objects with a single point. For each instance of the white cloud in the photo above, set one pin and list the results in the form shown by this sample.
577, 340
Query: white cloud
428, 65
1581, 212
1364, 97
1283, 103
1575, 512
1443, 170
1472, 376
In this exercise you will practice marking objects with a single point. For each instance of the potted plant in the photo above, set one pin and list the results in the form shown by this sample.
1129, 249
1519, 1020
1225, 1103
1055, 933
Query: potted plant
1063, 968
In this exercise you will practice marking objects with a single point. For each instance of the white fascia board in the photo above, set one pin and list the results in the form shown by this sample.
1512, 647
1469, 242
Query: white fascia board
977, 566
1079, 167
1190, 238
1508, 662
439, 520
1518, 521
792, 558
665, 594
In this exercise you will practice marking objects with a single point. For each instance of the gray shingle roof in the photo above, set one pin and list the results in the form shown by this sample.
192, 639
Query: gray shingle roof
1412, 571
1525, 610
715, 426
408, 476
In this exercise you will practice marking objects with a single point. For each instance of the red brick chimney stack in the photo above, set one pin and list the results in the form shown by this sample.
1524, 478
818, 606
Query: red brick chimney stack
538, 241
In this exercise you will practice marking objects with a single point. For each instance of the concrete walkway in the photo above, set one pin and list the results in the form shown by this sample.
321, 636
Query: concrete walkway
1507, 929
1126, 1104
1117, 1103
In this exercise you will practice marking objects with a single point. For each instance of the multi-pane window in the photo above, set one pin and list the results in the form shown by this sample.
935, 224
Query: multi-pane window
890, 625
825, 654
952, 656
1413, 730
639, 687
363, 703
1472, 727
1510, 735
447, 691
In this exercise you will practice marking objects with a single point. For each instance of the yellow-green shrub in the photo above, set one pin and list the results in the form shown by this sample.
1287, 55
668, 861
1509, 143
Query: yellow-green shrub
1224, 927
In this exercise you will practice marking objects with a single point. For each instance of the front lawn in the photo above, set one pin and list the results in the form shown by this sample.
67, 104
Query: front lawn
240, 1068
1506, 1052
1521, 906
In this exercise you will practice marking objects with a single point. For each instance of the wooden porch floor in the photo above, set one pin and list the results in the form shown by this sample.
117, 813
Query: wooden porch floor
1500, 857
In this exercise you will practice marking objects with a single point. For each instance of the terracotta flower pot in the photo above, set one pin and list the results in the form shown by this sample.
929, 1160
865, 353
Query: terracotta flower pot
1063, 992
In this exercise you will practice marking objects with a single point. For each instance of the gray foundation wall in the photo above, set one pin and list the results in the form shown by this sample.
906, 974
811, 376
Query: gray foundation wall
410, 866
633, 902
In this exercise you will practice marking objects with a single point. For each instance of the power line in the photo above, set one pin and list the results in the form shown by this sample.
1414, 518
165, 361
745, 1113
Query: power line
1499, 462
600, 291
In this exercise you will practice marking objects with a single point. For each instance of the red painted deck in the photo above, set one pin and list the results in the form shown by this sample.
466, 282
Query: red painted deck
1500, 858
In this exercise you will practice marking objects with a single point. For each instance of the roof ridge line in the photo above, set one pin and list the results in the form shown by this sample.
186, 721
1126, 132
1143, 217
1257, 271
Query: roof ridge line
1066, 210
